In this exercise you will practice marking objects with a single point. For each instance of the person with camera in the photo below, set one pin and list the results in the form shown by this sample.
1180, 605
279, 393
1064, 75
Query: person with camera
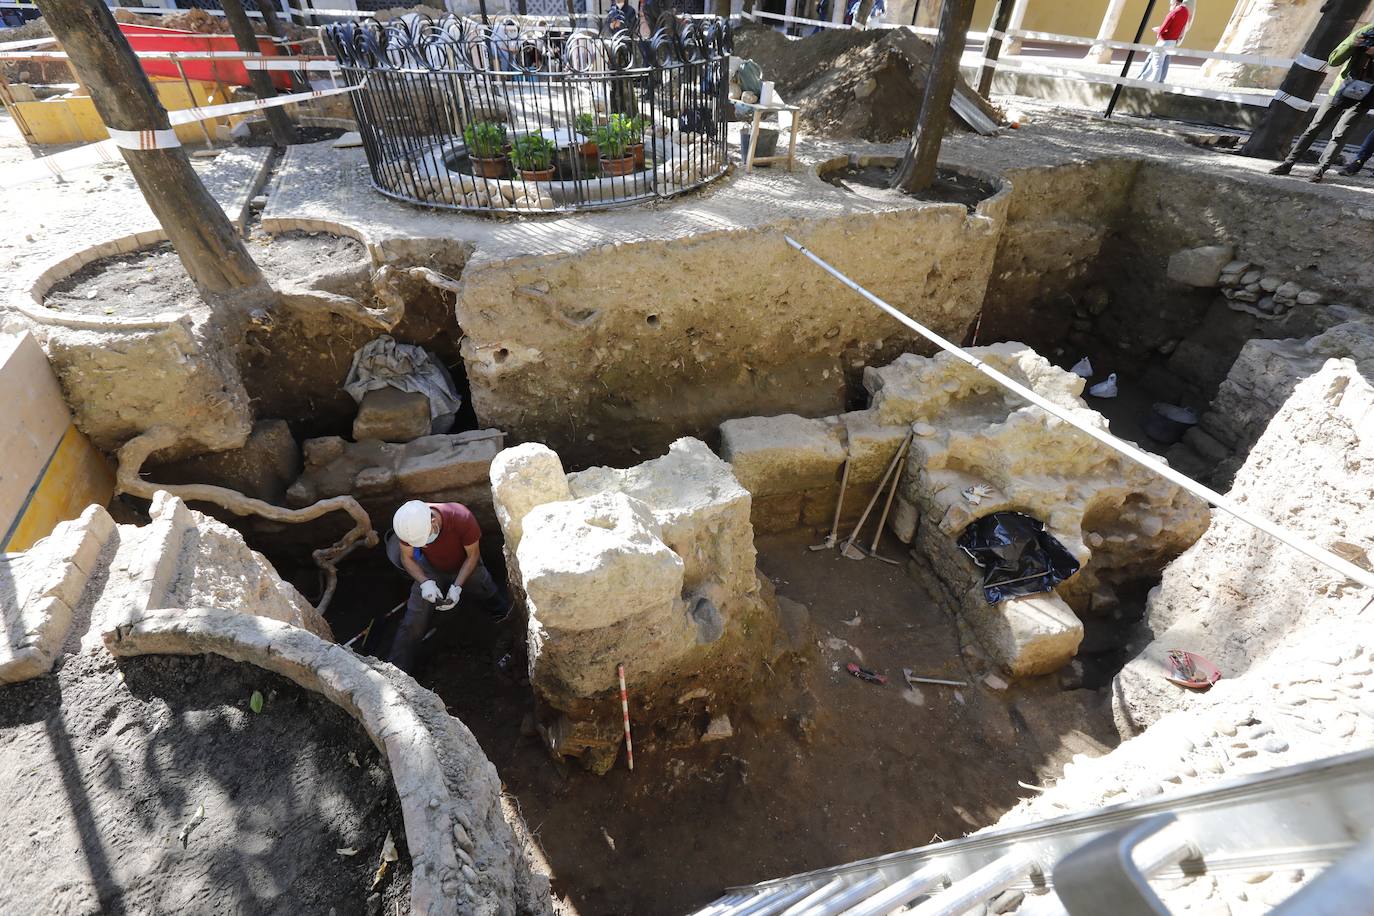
1350, 98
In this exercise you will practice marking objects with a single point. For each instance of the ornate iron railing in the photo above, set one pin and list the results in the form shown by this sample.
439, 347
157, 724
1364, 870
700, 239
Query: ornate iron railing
533, 116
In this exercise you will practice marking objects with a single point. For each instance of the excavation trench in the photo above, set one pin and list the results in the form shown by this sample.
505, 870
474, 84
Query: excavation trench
756, 752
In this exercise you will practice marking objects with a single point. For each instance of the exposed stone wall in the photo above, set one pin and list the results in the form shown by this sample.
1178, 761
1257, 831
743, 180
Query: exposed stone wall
650, 566
1187, 335
1120, 521
1049, 254
631, 346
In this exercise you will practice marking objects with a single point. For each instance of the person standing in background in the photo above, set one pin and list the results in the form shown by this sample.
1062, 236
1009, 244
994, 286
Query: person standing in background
1170, 33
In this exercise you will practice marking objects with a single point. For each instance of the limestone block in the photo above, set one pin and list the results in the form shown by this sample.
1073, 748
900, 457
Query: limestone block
871, 444
602, 587
784, 454
773, 514
914, 389
392, 415
702, 510
435, 464
383, 475
1200, 267
263, 467
1033, 634
523, 477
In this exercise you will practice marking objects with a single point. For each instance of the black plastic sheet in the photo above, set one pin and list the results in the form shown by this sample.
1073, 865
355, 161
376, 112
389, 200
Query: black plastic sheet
1016, 555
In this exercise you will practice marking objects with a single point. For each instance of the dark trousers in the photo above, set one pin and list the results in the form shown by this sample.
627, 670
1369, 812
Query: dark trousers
1366, 149
1342, 113
411, 633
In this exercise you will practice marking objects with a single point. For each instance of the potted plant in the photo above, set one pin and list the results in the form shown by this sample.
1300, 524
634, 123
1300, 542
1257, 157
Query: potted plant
636, 145
486, 143
533, 157
585, 124
613, 140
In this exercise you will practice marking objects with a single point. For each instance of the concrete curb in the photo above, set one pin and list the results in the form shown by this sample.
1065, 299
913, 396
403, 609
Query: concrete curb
438, 828
44, 614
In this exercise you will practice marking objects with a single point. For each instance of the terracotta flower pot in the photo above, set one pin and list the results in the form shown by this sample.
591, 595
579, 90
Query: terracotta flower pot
488, 168
537, 174
618, 166
589, 150
636, 150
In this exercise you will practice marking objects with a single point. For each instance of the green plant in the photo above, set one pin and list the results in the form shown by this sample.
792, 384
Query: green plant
585, 124
615, 135
485, 139
533, 153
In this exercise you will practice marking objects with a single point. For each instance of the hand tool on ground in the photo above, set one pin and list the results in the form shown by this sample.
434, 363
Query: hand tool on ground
912, 680
865, 674
370, 624
833, 537
848, 549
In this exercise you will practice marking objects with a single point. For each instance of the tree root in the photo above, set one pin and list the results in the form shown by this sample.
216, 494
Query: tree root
135, 452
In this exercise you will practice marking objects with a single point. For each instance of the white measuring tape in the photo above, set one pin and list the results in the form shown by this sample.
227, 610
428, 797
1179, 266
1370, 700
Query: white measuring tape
59, 164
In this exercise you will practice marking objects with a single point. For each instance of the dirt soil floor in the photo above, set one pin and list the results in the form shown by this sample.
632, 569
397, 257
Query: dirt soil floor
108, 766
153, 281
822, 768
874, 182
850, 83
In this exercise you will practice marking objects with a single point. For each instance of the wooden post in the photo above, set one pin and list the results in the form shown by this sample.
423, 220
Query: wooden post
1100, 53
210, 249
917, 171
1280, 124
992, 46
260, 81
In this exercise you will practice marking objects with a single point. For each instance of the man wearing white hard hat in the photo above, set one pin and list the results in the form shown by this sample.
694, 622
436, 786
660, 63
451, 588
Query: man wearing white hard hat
437, 545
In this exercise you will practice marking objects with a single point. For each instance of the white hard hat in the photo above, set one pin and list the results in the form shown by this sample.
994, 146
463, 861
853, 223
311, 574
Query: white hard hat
412, 523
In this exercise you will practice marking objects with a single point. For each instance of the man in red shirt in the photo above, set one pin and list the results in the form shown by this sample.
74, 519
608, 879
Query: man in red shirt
437, 545
1170, 34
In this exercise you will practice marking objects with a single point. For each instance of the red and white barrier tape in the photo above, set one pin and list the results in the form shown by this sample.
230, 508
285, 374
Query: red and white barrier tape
625, 712
144, 139
59, 164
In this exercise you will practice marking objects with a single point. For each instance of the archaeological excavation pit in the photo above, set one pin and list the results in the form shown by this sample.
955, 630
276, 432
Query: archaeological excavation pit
667, 422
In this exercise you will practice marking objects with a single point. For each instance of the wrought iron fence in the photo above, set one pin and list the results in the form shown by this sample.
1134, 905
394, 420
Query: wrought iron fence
533, 116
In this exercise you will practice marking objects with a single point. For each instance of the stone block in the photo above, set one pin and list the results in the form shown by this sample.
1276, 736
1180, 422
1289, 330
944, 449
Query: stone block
262, 468
523, 477
818, 507
1200, 267
436, 464
392, 415
602, 586
784, 454
871, 444
1034, 634
702, 510
773, 514
1206, 446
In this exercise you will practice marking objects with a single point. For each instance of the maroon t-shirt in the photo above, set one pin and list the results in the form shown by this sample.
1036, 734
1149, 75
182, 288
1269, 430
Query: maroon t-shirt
458, 528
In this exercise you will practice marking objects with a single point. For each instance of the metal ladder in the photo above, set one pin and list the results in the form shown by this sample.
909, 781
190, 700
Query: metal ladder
1316, 816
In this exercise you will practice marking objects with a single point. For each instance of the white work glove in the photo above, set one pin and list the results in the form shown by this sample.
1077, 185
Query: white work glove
455, 591
429, 590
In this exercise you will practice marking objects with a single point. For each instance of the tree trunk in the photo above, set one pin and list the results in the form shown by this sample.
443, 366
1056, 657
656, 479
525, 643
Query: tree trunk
1281, 122
992, 46
917, 171
260, 81
210, 249
275, 29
